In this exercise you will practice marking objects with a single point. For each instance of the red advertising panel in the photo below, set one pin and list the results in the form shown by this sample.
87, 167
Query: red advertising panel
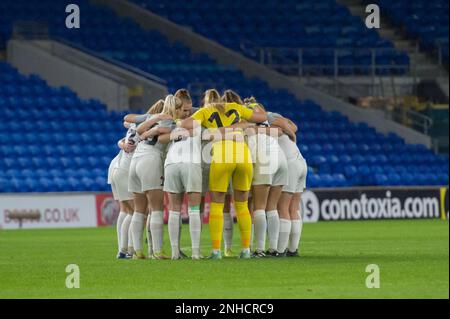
108, 209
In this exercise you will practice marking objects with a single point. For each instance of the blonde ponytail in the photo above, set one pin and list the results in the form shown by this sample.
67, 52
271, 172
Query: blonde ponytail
211, 96
251, 103
212, 99
229, 96
156, 108
171, 104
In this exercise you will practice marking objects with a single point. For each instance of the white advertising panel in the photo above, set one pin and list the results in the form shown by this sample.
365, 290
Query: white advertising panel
54, 211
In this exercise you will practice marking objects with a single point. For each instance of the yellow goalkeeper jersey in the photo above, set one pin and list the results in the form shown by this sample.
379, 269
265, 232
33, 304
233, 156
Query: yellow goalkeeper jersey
211, 117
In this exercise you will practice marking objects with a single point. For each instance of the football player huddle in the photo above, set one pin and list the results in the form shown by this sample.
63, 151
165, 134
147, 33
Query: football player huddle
236, 150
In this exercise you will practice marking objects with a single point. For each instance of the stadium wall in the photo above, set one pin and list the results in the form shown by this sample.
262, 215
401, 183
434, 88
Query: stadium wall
73, 210
89, 76
250, 68
372, 117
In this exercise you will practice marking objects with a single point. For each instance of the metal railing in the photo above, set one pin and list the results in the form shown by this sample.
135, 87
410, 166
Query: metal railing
338, 61
32, 30
378, 74
411, 118
115, 62
441, 45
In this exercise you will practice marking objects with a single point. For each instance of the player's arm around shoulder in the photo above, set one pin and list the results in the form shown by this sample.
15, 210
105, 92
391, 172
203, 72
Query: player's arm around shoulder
145, 126
164, 126
176, 135
278, 120
195, 119
287, 126
250, 115
121, 143
135, 118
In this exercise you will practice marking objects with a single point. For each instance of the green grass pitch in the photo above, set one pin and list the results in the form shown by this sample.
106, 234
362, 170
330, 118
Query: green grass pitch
413, 257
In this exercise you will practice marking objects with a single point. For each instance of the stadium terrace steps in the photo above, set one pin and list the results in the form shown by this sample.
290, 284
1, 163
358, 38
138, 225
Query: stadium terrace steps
340, 153
427, 66
252, 69
89, 75
288, 24
424, 22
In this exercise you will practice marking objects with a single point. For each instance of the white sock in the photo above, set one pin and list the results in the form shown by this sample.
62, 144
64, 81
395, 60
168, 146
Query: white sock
124, 233
228, 224
137, 230
120, 219
156, 227
195, 226
285, 231
252, 235
174, 231
130, 239
260, 224
273, 228
179, 232
296, 233
149, 236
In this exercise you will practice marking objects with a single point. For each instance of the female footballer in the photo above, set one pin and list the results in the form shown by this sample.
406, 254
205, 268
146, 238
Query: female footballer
291, 223
270, 174
145, 181
118, 178
183, 174
231, 160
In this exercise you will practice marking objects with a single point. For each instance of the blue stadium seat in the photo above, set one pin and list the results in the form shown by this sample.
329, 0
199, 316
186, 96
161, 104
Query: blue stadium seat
340, 153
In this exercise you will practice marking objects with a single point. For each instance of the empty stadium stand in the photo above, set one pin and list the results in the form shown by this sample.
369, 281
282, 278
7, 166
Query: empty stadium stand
248, 26
423, 20
49, 141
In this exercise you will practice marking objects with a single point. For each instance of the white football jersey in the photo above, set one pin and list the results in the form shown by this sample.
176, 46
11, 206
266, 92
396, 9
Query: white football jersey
113, 165
262, 145
151, 145
131, 137
185, 150
289, 148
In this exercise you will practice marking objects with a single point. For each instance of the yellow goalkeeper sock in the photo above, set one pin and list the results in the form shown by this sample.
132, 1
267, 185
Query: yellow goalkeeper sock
216, 224
245, 222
